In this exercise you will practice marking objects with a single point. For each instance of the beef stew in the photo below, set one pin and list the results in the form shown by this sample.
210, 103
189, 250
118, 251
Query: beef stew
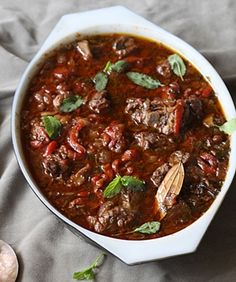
121, 134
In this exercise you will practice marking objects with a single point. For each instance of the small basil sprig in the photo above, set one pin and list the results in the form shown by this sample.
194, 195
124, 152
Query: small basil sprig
229, 126
177, 65
100, 80
71, 103
88, 272
52, 126
118, 66
130, 182
143, 80
148, 227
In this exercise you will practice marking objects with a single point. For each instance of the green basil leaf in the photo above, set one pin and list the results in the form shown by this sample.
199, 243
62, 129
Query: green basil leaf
177, 65
149, 227
132, 183
88, 272
143, 80
229, 126
100, 80
71, 103
113, 188
52, 126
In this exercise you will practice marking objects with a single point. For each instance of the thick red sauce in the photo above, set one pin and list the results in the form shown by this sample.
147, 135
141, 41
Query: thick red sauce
123, 130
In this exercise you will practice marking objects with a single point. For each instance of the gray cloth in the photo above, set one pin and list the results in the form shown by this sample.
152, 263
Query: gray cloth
46, 249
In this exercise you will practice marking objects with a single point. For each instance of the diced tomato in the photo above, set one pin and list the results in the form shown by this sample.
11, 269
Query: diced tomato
51, 147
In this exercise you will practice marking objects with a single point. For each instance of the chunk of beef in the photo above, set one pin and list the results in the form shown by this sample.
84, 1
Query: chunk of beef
159, 174
65, 152
38, 134
104, 156
131, 200
159, 114
43, 98
55, 166
124, 45
113, 137
147, 140
179, 215
98, 102
178, 156
84, 49
164, 69
110, 217
193, 110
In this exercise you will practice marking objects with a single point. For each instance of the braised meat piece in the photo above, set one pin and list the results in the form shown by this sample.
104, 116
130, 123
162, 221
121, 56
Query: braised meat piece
59, 162
159, 174
57, 101
55, 166
131, 200
98, 102
193, 110
84, 49
179, 215
156, 113
124, 45
164, 69
178, 156
147, 140
167, 116
110, 217
38, 135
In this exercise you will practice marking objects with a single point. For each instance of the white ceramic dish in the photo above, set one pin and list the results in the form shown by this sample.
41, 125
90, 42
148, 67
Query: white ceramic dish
120, 20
